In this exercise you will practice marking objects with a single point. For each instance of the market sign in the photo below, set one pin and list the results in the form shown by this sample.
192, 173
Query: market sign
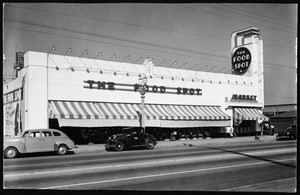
241, 60
236, 97
135, 87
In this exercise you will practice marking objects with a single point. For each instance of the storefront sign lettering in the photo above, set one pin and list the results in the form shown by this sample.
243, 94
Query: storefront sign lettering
149, 88
13, 96
101, 85
241, 60
243, 97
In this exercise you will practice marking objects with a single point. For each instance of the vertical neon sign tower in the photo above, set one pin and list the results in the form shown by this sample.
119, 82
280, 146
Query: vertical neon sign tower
247, 56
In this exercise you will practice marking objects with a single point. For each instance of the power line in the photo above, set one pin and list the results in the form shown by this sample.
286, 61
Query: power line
123, 23
252, 16
257, 14
93, 40
112, 37
198, 10
268, 64
136, 25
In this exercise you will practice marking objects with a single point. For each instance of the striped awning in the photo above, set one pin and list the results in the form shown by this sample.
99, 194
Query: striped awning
129, 111
188, 112
212, 113
73, 110
117, 110
249, 114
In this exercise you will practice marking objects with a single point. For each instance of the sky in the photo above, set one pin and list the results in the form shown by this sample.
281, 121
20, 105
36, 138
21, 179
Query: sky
192, 33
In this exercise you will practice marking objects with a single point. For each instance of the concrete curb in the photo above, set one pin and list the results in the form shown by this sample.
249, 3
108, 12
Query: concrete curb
184, 143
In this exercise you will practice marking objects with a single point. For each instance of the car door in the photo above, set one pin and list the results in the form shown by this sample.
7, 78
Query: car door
33, 141
136, 137
47, 141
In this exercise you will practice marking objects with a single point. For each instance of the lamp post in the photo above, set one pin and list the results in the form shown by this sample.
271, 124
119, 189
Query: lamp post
143, 88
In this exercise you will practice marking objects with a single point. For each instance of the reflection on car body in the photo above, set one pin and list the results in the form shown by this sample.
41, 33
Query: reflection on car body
38, 140
130, 137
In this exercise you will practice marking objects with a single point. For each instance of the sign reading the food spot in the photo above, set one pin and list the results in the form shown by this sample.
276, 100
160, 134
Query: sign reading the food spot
135, 87
241, 60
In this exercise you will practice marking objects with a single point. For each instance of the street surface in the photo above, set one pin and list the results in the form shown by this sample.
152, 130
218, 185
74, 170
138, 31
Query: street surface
263, 167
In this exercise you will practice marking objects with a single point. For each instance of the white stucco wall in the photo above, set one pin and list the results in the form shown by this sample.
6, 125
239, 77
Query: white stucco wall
67, 85
35, 94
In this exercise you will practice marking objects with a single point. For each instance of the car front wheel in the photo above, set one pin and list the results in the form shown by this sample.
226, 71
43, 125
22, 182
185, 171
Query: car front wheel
150, 144
119, 146
62, 149
11, 152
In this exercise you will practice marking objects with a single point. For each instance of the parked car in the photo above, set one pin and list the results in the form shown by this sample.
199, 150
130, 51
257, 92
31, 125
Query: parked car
130, 137
38, 140
288, 133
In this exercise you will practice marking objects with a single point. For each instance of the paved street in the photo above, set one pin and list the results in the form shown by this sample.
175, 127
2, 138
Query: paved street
260, 166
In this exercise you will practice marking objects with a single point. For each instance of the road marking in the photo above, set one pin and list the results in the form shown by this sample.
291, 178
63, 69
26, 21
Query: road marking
143, 163
157, 155
257, 184
160, 175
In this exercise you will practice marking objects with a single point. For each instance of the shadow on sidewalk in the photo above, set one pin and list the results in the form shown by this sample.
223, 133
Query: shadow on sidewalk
254, 157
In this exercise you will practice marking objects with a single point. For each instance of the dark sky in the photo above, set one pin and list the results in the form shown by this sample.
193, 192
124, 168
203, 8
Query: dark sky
193, 33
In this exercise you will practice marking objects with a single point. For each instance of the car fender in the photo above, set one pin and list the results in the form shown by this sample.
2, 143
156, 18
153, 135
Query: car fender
148, 138
18, 144
57, 143
69, 144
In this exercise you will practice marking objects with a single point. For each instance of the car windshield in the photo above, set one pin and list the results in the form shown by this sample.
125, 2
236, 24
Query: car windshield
25, 134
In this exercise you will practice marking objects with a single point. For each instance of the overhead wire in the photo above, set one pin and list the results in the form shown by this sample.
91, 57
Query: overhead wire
124, 23
277, 65
243, 10
198, 10
114, 38
129, 24
252, 16
127, 46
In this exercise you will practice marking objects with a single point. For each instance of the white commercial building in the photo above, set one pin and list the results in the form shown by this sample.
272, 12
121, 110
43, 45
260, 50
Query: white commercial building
62, 91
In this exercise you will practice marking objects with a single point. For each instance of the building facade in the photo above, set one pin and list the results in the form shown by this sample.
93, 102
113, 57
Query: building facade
97, 96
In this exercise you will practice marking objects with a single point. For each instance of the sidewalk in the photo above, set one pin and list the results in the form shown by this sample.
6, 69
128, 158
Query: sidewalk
185, 143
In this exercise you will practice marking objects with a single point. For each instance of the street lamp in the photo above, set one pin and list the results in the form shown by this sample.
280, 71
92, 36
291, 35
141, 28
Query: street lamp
143, 88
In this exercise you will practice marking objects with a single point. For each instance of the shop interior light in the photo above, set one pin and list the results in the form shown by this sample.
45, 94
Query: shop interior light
52, 48
69, 50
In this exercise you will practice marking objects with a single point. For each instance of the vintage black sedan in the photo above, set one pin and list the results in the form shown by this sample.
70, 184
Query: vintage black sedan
129, 138
288, 133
